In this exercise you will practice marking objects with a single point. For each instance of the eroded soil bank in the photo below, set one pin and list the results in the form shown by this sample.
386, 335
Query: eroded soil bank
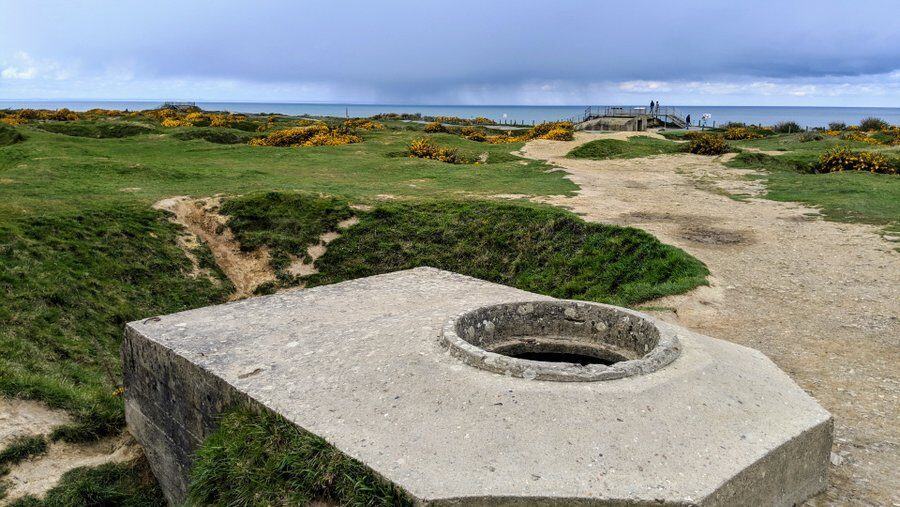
821, 299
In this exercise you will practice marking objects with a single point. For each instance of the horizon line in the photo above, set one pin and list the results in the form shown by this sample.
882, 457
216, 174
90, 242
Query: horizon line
385, 104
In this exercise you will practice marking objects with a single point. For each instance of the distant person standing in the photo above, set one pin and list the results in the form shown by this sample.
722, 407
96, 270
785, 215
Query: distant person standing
687, 120
651, 106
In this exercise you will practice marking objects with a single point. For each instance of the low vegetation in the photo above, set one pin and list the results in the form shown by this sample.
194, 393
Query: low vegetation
425, 147
119, 484
261, 459
842, 159
846, 196
534, 248
213, 135
19, 450
10, 136
96, 129
314, 135
634, 147
708, 144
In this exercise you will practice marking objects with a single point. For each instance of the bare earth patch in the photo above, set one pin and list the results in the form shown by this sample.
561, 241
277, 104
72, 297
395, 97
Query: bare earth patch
299, 267
200, 217
39, 474
821, 299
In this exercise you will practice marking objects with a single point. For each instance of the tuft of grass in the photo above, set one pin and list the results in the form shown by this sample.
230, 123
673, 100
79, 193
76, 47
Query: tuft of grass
258, 458
95, 129
21, 449
634, 147
126, 485
531, 247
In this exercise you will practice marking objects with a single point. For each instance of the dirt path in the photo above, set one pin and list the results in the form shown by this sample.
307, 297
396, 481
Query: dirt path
822, 299
37, 475
246, 270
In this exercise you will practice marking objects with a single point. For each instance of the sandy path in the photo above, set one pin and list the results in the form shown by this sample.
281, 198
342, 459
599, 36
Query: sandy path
37, 475
822, 299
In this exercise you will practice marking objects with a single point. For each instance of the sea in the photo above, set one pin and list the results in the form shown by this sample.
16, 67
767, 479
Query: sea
765, 115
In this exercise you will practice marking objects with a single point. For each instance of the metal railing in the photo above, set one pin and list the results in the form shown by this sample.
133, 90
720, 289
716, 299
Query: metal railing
666, 114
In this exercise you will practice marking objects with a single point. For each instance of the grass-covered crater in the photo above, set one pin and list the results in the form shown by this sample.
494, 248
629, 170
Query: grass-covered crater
531, 247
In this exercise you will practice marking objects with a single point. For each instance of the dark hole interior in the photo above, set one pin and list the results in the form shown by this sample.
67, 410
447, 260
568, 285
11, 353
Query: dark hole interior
562, 357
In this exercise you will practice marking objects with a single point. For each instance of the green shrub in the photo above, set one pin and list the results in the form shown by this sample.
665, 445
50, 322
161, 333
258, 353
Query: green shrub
872, 124
9, 136
787, 127
807, 137
837, 125
708, 144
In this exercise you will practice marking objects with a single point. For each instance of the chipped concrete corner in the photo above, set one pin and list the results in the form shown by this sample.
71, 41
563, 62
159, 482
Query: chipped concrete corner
391, 370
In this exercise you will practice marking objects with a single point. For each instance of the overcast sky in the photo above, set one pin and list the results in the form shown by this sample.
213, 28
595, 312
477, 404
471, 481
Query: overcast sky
689, 52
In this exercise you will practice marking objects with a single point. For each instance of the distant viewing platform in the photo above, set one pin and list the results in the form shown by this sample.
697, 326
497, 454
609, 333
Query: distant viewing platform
766, 115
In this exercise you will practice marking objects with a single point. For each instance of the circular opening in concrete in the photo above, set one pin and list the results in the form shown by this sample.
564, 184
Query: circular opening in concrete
560, 340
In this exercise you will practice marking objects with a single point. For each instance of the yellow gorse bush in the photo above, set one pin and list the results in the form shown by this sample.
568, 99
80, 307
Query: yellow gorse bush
426, 148
842, 159
363, 124
312, 135
435, 127
740, 133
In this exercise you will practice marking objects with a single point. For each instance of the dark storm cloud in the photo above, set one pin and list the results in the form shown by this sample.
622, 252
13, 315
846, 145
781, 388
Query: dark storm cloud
414, 47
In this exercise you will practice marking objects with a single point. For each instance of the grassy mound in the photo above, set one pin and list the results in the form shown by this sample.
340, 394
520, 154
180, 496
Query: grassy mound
9, 136
286, 223
213, 135
635, 147
846, 196
95, 129
69, 282
261, 459
535, 248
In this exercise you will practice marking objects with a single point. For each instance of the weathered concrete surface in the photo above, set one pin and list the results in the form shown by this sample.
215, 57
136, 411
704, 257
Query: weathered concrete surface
360, 364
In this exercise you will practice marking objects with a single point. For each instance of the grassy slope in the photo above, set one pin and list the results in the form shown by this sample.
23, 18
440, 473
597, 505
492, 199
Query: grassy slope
845, 196
81, 253
634, 147
261, 459
535, 248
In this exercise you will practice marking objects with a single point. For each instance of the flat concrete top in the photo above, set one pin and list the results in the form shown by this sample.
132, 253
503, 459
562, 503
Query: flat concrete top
360, 364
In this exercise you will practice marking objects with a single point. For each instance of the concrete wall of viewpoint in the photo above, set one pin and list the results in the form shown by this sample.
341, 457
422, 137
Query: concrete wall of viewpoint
171, 406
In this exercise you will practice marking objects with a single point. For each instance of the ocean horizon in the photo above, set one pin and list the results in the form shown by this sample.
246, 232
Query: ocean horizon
805, 116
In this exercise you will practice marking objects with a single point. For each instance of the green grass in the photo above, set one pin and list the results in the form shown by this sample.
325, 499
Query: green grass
531, 247
96, 129
82, 252
69, 282
261, 459
217, 135
112, 484
634, 147
9, 136
796, 143
21, 449
843, 196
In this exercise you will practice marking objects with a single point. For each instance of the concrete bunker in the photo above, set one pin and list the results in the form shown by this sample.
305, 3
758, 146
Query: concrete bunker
385, 370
